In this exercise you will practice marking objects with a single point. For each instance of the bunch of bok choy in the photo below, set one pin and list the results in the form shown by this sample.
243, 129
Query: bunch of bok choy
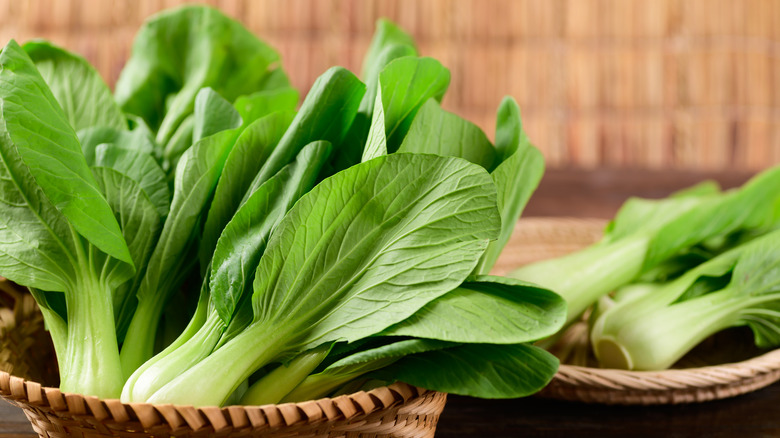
670, 272
196, 237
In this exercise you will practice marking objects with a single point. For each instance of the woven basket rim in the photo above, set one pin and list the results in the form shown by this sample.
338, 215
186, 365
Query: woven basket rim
26, 394
671, 386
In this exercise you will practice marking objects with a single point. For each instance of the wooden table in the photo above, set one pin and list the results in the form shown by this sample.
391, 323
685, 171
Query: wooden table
581, 193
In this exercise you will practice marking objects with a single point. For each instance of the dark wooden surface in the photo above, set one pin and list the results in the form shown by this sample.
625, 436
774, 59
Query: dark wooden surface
582, 193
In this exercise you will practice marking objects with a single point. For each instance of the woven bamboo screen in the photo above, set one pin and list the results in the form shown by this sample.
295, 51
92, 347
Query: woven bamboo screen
692, 84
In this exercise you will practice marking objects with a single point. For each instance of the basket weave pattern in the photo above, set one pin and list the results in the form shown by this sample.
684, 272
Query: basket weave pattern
608, 386
397, 410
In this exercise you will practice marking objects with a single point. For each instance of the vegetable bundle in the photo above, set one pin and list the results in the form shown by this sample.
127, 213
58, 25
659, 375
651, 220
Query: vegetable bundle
669, 273
197, 238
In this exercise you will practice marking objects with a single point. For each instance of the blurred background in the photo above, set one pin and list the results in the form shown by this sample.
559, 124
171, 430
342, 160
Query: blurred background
662, 84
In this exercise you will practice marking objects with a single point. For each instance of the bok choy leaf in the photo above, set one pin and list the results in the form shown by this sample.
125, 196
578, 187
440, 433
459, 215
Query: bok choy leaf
354, 241
58, 232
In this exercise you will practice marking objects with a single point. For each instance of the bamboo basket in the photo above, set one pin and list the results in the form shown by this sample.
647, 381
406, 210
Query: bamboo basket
27, 365
725, 365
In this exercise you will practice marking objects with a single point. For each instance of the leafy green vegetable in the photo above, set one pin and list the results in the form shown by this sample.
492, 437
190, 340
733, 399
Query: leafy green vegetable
326, 114
263, 103
52, 152
516, 176
654, 330
196, 177
647, 232
140, 167
212, 113
316, 271
79, 89
435, 131
351, 248
406, 84
477, 370
181, 51
58, 231
236, 255
245, 160
483, 310
487, 309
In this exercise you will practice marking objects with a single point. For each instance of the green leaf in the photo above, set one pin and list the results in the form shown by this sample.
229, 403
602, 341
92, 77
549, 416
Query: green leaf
212, 114
388, 43
757, 275
36, 248
139, 140
516, 177
322, 384
47, 144
180, 51
244, 239
326, 114
638, 216
52, 306
141, 168
248, 155
386, 35
381, 228
486, 309
509, 128
407, 83
435, 131
178, 144
376, 146
477, 370
139, 227
260, 104
138, 218
365, 249
196, 177
621, 256
516, 180
140, 223
371, 76
351, 151
78, 87
754, 205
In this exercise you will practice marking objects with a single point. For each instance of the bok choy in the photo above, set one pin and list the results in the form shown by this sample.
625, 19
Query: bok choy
646, 233
653, 330
198, 229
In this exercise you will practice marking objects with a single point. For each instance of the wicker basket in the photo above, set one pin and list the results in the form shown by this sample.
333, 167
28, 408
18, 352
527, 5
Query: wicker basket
726, 365
398, 410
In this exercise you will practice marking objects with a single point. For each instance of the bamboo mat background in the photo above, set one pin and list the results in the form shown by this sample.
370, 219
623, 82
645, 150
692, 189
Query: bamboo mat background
689, 84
